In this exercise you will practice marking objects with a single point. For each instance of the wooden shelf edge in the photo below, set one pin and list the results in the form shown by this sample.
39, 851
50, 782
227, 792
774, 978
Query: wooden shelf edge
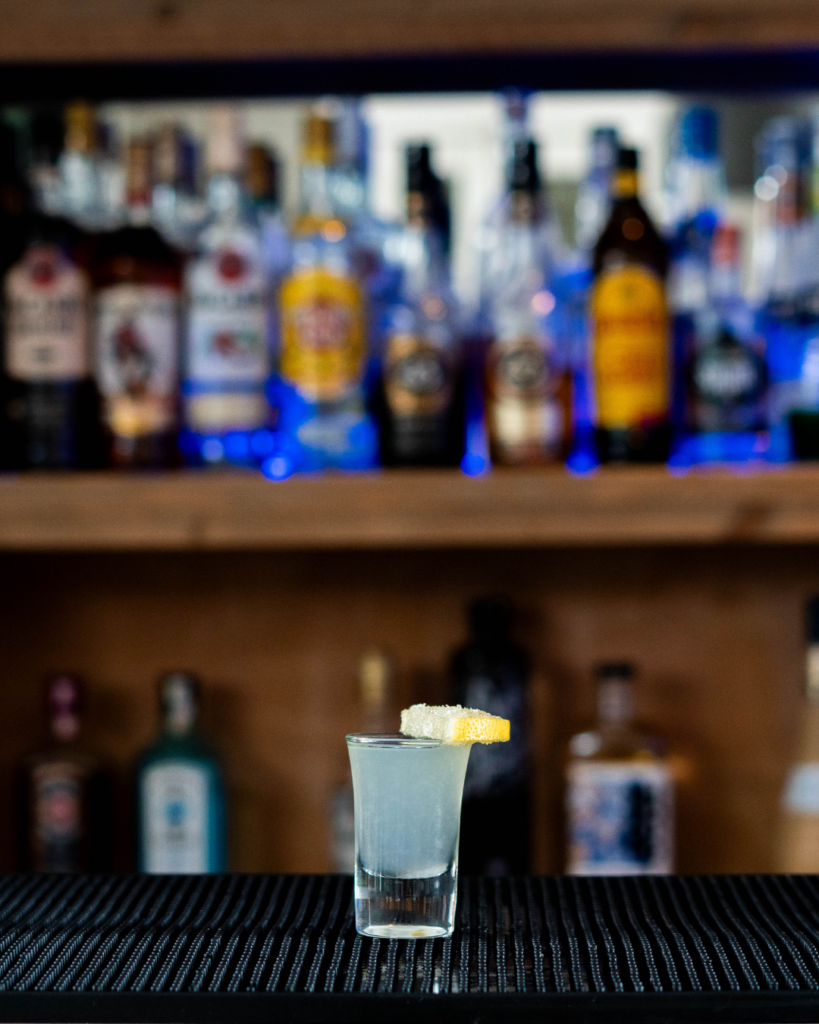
406, 509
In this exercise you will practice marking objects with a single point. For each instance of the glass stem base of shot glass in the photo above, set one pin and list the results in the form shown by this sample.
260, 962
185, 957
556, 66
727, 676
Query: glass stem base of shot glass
405, 908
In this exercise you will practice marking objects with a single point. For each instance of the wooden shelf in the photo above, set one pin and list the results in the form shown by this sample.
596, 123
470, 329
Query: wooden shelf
407, 509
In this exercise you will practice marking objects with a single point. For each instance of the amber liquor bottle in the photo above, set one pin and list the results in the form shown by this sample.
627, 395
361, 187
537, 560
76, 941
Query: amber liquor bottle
630, 354
65, 793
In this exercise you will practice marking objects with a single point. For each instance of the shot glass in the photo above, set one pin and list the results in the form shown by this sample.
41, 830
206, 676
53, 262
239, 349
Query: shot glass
407, 795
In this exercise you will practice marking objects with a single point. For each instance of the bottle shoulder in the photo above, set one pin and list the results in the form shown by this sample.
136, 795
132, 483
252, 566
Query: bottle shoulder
624, 242
618, 745
191, 749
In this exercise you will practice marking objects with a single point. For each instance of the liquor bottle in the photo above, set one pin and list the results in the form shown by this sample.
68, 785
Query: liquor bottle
784, 268
630, 358
798, 841
180, 796
527, 383
620, 791
491, 673
725, 372
65, 793
374, 708
422, 420
594, 194
137, 280
226, 346
323, 326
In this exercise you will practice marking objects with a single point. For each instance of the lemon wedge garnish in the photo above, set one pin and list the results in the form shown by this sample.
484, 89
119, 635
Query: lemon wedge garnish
453, 724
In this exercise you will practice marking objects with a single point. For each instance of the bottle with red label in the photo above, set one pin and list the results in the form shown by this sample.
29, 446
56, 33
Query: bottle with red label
227, 363
137, 296
65, 805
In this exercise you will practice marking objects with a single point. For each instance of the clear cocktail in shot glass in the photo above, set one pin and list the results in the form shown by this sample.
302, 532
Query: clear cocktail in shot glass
407, 795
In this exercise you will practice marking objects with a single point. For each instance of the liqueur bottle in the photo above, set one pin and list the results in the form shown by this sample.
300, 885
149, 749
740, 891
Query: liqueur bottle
421, 423
527, 384
374, 704
798, 841
65, 793
227, 361
180, 796
630, 357
137, 286
323, 325
491, 673
620, 792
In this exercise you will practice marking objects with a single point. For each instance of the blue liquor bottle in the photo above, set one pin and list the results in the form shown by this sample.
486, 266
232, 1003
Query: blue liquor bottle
180, 794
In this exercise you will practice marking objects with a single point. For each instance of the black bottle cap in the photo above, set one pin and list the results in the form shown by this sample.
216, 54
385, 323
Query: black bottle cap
614, 670
420, 176
490, 618
812, 620
523, 172
627, 159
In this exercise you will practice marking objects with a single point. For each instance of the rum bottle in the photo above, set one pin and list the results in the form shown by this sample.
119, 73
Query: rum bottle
180, 795
619, 789
65, 793
630, 357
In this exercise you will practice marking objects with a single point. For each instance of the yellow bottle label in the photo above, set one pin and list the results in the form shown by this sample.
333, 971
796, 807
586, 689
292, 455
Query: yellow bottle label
323, 333
630, 354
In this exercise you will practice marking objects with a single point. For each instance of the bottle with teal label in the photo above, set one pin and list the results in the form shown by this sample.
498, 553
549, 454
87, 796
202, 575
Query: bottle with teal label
180, 794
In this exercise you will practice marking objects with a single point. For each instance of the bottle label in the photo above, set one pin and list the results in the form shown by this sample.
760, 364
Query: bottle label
323, 334
46, 325
175, 819
496, 768
227, 359
630, 348
523, 408
620, 819
58, 818
418, 377
727, 384
802, 790
136, 356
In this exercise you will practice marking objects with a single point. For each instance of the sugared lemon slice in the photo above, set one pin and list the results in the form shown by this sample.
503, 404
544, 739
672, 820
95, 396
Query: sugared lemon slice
453, 724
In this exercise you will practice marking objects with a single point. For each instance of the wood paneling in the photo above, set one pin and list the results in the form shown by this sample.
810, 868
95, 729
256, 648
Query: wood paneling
717, 634
170, 29
223, 511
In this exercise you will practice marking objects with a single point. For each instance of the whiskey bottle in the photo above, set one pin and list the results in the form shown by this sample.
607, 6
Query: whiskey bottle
180, 795
422, 421
137, 284
491, 673
798, 841
620, 792
630, 357
227, 359
65, 794
527, 383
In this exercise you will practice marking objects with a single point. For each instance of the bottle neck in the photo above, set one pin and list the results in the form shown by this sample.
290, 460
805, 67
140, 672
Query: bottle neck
180, 714
615, 703
225, 196
316, 190
65, 726
626, 184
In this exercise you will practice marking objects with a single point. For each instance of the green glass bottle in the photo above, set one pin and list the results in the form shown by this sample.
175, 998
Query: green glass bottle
180, 794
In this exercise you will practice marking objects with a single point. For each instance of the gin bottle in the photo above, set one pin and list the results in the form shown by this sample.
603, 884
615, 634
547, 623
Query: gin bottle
620, 793
180, 795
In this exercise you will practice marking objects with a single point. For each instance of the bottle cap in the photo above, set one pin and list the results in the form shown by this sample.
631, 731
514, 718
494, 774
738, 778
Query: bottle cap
375, 678
225, 149
139, 171
319, 137
604, 146
63, 695
420, 176
80, 127
523, 172
179, 697
627, 159
490, 618
261, 175
699, 132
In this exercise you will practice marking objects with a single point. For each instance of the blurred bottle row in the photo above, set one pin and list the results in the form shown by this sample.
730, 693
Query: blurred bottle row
163, 310
619, 778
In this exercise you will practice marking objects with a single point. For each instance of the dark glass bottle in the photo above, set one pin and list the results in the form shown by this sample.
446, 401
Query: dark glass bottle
630, 356
65, 794
421, 423
491, 673
137, 279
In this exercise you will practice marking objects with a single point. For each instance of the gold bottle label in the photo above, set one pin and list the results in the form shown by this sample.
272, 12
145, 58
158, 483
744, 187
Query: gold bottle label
417, 375
323, 333
630, 348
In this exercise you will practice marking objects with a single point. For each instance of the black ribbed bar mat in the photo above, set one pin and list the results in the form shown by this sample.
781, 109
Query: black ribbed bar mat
283, 948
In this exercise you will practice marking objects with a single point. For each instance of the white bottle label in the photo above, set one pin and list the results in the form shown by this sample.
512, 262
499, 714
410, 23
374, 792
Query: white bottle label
46, 298
137, 357
175, 819
620, 819
802, 789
